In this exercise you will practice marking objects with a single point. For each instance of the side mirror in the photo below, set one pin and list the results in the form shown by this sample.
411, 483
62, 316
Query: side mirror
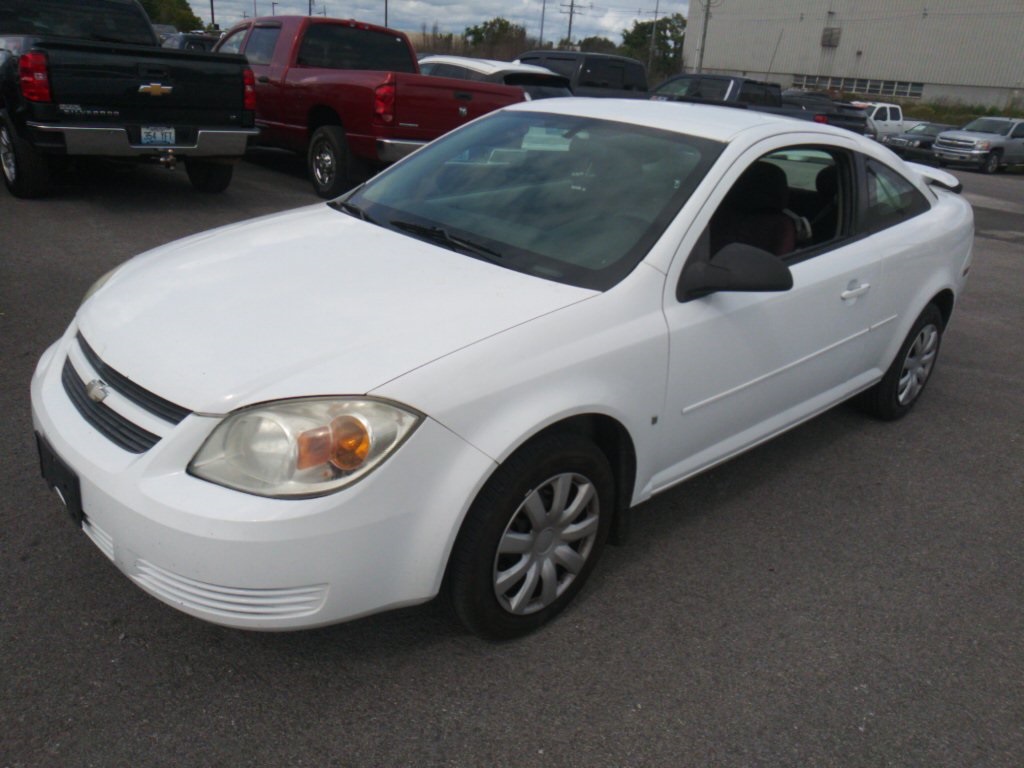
736, 267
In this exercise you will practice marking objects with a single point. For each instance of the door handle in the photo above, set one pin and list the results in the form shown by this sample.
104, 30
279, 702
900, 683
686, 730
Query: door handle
854, 290
463, 96
262, 79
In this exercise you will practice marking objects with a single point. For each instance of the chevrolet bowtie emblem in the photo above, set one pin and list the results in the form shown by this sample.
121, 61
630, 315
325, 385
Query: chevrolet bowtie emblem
96, 390
156, 89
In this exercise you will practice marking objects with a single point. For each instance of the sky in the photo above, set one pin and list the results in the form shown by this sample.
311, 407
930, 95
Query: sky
603, 18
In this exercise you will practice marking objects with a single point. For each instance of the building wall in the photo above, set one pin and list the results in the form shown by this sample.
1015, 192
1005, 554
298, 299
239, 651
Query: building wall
971, 50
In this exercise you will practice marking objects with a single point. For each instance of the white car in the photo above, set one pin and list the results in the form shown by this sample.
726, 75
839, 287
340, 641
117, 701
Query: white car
536, 82
460, 376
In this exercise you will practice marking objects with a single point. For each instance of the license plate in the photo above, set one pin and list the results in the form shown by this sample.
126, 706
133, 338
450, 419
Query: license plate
157, 135
61, 478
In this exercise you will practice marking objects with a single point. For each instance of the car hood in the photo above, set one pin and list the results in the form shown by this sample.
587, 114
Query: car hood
309, 302
968, 135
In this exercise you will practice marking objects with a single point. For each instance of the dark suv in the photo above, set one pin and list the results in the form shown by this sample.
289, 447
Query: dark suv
594, 74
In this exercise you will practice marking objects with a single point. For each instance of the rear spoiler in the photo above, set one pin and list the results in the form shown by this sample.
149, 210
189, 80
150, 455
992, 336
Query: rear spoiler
938, 178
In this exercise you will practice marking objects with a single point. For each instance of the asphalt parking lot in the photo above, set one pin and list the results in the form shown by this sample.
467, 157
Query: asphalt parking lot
850, 594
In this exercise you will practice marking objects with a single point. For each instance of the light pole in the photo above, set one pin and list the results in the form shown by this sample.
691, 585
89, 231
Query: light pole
273, 9
213, 19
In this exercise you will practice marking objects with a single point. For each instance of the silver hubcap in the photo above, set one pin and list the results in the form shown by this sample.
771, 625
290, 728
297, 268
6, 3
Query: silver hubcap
7, 154
918, 364
546, 543
324, 164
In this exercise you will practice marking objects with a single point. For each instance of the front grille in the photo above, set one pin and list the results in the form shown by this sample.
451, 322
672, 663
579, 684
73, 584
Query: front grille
155, 404
958, 144
110, 423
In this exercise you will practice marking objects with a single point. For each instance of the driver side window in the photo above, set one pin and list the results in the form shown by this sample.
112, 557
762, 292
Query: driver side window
787, 203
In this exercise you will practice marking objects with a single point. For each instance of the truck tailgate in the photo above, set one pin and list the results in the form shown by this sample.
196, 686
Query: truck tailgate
428, 106
92, 80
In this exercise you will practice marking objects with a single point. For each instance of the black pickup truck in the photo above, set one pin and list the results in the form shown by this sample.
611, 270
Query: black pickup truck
87, 77
762, 96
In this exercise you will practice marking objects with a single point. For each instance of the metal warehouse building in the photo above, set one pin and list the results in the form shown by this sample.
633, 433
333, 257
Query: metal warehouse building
970, 51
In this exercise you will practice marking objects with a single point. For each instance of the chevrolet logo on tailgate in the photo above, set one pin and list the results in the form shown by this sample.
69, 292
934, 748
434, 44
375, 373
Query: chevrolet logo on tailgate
156, 89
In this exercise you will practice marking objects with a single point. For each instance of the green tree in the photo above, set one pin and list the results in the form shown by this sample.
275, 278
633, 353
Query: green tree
598, 45
497, 38
175, 12
667, 58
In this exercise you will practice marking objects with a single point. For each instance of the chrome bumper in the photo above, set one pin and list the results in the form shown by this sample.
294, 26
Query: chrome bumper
393, 150
114, 142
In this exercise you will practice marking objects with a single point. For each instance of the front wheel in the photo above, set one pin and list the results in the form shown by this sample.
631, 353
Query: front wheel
333, 168
992, 162
209, 176
26, 173
532, 537
901, 387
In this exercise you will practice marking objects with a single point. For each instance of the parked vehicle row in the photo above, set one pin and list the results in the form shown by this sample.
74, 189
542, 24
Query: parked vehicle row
87, 78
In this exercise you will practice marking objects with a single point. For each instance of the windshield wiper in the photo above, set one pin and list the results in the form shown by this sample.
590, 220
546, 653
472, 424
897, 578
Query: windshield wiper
442, 236
352, 210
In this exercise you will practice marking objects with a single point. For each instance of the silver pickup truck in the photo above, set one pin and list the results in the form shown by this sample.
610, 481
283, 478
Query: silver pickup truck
988, 143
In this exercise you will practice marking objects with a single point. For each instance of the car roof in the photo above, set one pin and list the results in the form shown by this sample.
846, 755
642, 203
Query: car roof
717, 123
485, 66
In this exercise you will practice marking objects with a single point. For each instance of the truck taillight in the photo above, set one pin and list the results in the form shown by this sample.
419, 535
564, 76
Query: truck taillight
384, 101
34, 76
821, 118
248, 90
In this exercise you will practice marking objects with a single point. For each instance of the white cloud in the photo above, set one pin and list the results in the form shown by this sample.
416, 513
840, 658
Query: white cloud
604, 18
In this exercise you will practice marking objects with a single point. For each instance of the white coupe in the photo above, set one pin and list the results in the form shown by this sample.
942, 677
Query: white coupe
459, 377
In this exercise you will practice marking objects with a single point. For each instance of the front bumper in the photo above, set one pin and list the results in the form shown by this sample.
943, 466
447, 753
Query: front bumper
971, 156
107, 141
251, 562
393, 150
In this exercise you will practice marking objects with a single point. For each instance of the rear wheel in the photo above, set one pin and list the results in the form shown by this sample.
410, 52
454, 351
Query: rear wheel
532, 537
26, 173
333, 168
209, 176
901, 387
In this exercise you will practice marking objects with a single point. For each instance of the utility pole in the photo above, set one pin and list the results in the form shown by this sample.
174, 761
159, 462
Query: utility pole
543, 8
572, 12
654, 36
703, 34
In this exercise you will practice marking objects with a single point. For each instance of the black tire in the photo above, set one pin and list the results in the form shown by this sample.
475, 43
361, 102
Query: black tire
992, 163
26, 173
333, 169
209, 176
505, 595
905, 380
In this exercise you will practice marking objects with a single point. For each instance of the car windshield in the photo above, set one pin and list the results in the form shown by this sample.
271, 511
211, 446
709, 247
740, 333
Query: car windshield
565, 198
989, 125
924, 129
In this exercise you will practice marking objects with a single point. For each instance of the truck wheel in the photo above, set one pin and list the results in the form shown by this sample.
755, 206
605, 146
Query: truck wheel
991, 164
208, 175
333, 169
26, 172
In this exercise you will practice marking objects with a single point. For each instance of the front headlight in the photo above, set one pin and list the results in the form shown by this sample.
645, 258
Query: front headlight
302, 448
982, 144
914, 143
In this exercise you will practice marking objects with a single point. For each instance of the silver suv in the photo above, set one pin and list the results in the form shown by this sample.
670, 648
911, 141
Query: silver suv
988, 143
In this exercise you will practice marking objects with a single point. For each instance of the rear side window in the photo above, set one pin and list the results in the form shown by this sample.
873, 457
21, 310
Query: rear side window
260, 48
1018, 132
755, 93
602, 73
233, 42
561, 65
890, 197
335, 46
114, 22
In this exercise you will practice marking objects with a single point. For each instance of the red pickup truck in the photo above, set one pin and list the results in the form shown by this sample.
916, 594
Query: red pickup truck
350, 95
